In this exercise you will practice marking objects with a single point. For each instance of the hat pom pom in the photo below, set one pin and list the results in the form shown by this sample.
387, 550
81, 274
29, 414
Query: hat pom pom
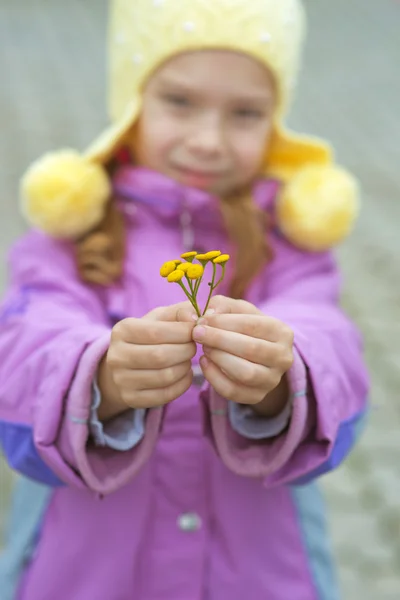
64, 194
318, 207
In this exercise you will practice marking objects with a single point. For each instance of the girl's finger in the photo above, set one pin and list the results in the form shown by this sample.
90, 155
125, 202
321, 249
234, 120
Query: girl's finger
146, 379
147, 332
158, 397
227, 388
223, 304
159, 356
242, 371
181, 312
254, 350
257, 326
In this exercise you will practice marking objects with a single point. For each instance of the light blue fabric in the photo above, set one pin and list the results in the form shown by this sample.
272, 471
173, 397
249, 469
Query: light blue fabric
310, 508
29, 503
126, 431
246, 422
122, 433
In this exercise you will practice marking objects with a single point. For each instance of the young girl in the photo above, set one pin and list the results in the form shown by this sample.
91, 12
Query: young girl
154, 471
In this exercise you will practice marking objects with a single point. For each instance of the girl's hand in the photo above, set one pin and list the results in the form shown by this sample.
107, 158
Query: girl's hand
246, 354
148, 362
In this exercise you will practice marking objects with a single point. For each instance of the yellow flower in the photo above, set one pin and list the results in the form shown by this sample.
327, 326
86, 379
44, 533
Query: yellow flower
189, 256
189, 274
195, 271
220, 260
209, 255
184, 267
167, 268
175, 276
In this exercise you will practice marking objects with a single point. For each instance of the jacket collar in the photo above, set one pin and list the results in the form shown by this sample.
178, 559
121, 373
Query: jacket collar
170, 198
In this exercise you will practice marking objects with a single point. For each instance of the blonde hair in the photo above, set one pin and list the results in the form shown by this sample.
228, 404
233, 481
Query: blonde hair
247, 227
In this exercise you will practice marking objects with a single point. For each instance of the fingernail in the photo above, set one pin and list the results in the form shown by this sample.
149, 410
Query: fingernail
194, 317
210, 312
199, 332
204, 362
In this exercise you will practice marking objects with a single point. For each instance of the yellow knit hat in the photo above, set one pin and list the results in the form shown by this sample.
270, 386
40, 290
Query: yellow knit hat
65, 194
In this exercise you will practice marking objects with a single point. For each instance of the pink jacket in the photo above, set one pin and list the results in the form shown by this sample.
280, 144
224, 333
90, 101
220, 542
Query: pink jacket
194, 511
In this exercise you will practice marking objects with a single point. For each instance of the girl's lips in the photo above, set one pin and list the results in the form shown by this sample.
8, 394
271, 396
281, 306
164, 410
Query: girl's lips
197, 179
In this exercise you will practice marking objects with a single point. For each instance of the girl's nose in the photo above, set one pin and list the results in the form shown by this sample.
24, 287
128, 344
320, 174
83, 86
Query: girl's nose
207, 138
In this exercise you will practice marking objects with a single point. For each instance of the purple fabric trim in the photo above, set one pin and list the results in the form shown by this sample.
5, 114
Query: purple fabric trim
16, 440
16, 306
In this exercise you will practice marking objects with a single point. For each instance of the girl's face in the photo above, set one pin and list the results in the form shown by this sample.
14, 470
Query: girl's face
206, 120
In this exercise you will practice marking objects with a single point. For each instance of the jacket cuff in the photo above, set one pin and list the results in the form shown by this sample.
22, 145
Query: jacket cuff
121, 433
102, 469
245, 421
255, 458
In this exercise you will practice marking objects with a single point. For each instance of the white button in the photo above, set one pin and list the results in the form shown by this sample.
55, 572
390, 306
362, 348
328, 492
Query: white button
189, 522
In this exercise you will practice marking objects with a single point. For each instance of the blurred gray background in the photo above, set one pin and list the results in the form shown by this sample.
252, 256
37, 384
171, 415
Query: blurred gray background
52, 95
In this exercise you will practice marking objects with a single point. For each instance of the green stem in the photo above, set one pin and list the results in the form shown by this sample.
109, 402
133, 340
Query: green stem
198, 282
191, 286
194, 303
212, 288
191, 300
197, 285
221, 278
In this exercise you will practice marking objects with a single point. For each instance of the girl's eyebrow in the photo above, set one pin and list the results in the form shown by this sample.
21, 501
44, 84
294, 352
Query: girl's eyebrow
253, 97
173, 81
256, 94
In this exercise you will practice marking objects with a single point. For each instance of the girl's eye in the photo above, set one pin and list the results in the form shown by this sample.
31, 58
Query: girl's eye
248, 114
177, 100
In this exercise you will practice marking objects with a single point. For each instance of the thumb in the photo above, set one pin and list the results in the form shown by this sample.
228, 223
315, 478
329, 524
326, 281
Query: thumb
224, 305
182, 312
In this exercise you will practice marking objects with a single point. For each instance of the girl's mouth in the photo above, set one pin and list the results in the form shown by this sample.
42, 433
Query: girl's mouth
198, 179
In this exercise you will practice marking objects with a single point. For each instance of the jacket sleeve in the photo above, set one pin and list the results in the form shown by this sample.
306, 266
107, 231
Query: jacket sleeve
53, 332
328, 380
